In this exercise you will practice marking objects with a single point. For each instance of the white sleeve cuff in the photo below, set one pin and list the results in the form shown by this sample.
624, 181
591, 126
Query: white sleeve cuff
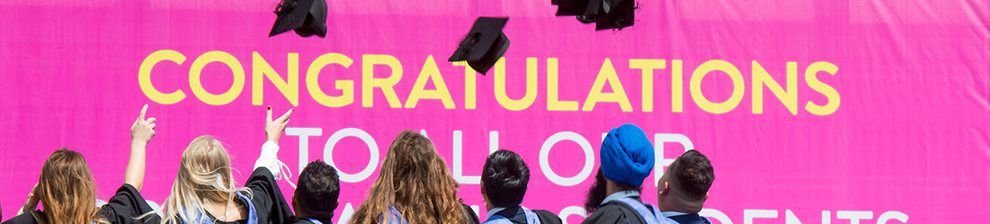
268, 158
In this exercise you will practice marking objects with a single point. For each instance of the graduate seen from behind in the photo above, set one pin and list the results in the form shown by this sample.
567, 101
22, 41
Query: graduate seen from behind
626, 159
316, 195
67, 191
414, 186
684, 188
204, 190
503, 184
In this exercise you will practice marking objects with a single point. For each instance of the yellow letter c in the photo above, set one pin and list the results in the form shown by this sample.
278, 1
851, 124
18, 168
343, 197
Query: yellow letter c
144, 76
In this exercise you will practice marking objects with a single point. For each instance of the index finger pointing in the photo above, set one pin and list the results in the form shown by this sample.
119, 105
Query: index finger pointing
144, 110
285, 116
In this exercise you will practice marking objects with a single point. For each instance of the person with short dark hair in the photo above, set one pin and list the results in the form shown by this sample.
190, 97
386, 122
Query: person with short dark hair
626, 159
503, 185
684, 188
316, 194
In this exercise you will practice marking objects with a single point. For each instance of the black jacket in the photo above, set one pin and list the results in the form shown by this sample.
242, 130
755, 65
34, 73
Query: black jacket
124, 207
269, 203
615, 213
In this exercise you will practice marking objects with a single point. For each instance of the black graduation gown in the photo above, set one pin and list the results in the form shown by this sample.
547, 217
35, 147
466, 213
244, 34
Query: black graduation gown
124, 207
269, 203
615, 213
518, 216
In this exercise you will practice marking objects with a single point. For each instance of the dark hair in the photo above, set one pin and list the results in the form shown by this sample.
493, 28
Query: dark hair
318, 189
596, 194
598, 191
506, 177
694, 174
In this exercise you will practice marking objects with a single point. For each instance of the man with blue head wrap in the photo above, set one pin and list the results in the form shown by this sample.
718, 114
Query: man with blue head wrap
627, 158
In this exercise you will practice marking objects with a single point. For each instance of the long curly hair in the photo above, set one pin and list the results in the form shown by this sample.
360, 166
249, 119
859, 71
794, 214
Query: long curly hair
66, 190
415, 181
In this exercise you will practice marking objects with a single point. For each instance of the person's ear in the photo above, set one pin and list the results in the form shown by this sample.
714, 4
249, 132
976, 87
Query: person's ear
481, 184
666, 188
295, 203
705, 198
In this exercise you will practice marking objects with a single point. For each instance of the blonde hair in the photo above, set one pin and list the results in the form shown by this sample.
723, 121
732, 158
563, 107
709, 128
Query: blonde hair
204, 175
415, 181
66, 189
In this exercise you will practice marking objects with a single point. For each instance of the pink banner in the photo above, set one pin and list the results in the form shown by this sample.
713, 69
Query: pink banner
812, 111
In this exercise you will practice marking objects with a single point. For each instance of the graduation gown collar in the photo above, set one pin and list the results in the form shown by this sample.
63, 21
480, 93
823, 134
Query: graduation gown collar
620, 195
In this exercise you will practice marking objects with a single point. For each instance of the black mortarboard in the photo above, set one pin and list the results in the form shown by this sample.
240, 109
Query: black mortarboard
483, 45
607, 14
613, 14
306, 17
570, 7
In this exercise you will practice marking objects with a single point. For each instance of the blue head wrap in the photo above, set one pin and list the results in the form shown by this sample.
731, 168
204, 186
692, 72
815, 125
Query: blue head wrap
627, 155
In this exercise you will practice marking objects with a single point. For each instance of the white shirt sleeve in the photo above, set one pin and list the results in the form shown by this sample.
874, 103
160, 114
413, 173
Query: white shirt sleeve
269, 158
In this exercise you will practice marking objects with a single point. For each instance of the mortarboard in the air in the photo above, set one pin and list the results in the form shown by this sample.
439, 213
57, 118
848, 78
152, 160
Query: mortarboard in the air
570, 7
306, 17
483, 45
606, 14
612, 14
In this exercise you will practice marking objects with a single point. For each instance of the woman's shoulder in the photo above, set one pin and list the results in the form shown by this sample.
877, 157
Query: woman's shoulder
126, 206
25, 218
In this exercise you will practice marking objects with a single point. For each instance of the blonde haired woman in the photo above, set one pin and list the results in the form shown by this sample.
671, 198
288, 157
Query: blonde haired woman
413, 187
204, 190
67, 192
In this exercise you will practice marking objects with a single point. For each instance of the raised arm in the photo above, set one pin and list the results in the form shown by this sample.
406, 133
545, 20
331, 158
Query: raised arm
141, 132
269, 151
268, 199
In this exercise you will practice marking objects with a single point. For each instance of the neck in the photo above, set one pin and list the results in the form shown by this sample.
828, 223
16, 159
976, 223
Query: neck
305, 215
489, 206
679, 203
612, 187
228, 211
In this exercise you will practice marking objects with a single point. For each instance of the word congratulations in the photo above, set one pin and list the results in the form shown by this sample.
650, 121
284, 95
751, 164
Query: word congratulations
372, 85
